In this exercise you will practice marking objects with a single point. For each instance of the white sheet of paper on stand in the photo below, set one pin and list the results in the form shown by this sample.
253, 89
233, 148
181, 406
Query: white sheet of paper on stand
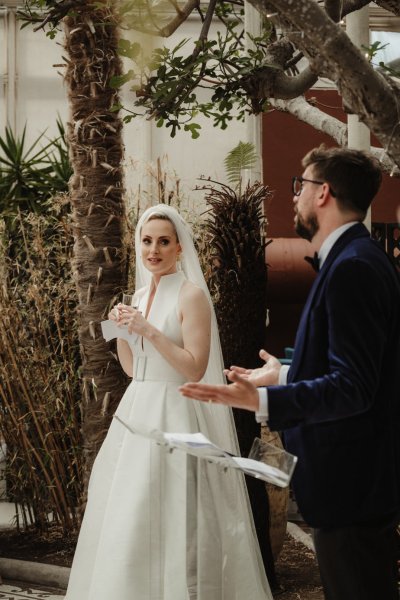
111, 331
261, 470
198, 445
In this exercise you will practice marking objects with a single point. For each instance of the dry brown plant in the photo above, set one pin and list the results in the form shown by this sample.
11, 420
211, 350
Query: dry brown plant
40, 418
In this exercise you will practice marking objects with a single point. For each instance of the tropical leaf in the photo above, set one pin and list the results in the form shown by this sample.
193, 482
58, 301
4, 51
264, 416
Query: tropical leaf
243, 156
30, 175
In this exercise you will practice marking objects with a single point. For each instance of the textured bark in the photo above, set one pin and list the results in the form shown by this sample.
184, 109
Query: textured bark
336, 129
349, 6
365, 91
272, 81
334, 9
392, 6
96, 152
320, 120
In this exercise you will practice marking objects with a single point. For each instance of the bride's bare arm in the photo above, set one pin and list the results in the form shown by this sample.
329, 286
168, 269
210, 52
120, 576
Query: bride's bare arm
192, 359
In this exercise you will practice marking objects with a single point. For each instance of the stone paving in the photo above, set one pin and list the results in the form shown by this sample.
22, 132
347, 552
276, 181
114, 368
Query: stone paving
20, 591
16, 592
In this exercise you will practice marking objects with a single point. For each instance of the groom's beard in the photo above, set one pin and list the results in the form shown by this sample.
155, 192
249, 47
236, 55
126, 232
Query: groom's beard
306, 227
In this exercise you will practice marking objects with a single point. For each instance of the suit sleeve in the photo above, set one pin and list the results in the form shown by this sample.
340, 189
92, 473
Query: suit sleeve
344, 351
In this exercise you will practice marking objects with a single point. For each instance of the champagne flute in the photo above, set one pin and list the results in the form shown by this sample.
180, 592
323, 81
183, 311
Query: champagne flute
127, 299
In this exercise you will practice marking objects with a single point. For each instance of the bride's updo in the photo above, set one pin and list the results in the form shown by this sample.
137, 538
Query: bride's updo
162, 217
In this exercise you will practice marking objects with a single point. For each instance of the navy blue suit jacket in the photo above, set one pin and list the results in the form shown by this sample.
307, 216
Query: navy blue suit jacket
340, 411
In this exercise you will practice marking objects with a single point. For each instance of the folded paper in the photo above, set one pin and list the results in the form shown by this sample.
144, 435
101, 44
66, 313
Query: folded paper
111, 331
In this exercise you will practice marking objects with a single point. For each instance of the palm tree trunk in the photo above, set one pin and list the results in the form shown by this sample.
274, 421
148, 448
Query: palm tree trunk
96, 187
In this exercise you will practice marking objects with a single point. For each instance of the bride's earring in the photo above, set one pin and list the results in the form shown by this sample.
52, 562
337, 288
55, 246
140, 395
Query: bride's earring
179, 262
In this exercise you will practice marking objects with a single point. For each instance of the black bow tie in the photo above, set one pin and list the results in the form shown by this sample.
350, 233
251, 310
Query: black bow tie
313, 260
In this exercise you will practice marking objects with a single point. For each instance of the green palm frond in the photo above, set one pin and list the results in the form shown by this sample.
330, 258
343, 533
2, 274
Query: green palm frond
30, 175
243, 156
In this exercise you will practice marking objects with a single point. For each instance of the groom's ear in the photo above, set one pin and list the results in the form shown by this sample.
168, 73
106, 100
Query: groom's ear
324, 195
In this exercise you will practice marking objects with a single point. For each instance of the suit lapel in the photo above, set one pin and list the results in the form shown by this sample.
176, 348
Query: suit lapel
356, 231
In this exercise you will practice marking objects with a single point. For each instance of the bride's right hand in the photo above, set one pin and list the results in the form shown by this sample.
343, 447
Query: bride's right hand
115, 313
266, 375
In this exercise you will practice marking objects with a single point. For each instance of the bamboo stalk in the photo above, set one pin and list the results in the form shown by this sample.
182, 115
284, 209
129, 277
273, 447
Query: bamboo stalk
38, 364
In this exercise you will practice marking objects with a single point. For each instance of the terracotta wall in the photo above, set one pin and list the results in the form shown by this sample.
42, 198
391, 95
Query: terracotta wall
285, 141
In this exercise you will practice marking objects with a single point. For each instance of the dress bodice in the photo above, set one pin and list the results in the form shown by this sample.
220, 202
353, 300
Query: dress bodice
163, 314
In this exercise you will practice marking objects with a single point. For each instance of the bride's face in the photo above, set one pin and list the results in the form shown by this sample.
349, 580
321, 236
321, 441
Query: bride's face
160, 247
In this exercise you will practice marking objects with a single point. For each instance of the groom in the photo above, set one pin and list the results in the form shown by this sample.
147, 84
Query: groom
339, 402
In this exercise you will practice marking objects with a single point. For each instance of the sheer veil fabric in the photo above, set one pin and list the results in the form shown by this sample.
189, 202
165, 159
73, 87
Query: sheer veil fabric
191, 268
219, 418
226, 489
161, 525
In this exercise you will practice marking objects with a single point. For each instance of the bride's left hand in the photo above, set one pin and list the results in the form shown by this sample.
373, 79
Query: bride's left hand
133, 319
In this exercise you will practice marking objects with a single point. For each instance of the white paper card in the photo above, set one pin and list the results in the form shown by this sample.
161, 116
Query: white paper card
111, 331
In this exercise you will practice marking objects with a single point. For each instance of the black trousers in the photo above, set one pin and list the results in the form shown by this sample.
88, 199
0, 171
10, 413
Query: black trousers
359, 562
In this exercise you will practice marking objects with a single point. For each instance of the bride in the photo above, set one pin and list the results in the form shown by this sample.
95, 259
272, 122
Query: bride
160, 525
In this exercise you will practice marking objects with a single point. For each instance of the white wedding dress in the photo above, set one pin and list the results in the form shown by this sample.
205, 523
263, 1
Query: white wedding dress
160, 525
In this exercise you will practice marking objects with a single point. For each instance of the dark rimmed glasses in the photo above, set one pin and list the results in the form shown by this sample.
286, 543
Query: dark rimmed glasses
297, 184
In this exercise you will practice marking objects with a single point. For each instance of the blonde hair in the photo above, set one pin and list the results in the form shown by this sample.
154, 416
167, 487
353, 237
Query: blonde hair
161, 217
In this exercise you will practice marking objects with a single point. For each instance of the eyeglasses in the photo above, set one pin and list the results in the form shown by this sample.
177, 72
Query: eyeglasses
297, 184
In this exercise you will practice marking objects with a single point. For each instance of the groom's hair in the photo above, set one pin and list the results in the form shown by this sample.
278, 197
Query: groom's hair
354, 176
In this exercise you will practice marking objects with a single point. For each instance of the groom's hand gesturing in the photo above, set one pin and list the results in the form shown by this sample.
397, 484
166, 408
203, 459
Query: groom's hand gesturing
240, 394
266, 375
